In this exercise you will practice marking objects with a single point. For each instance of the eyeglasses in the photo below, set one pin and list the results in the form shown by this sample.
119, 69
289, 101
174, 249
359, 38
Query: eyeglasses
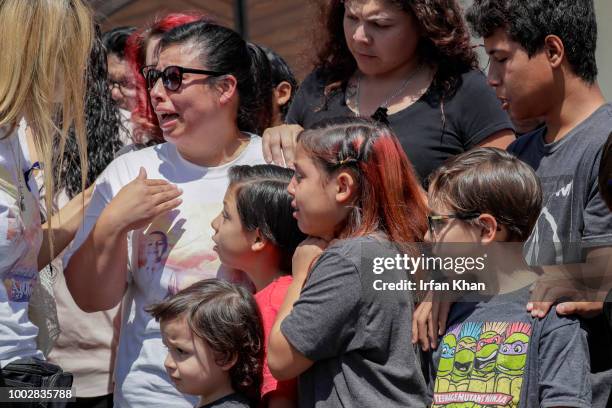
172, 76
437, 221
122, 85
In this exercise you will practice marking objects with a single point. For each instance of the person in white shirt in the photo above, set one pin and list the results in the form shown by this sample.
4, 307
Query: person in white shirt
45, 47
147, 231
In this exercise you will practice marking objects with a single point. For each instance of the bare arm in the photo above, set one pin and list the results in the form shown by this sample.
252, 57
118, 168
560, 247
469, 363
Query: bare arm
284, 360
63, 227
96, 273
584, 286
500, 139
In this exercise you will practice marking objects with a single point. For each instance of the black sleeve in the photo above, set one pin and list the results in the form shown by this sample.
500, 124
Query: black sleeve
608, 309
305, 100
479, 112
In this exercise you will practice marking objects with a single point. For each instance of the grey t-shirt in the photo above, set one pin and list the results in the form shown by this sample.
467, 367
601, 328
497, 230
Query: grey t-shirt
573, 217
359, 339
494, 354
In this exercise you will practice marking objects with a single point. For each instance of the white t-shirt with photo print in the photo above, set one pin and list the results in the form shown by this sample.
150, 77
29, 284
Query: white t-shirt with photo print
20, 240
171, 253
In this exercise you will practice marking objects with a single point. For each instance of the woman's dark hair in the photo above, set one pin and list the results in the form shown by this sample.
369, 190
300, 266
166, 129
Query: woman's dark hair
115, 40
226, 317
445, 43
529, 22
492, 181
281, 71
264, 203
104, 126
223, 50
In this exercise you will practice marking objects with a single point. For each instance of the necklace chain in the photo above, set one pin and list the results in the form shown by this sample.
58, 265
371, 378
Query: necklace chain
385, 104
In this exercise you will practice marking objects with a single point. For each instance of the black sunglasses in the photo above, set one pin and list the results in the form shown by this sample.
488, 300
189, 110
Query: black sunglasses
172, 76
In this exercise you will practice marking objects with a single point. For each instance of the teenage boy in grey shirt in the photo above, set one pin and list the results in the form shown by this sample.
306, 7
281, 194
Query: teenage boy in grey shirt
542, 65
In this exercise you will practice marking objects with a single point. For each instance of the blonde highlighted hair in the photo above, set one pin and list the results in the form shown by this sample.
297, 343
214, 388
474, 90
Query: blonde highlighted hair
45, 48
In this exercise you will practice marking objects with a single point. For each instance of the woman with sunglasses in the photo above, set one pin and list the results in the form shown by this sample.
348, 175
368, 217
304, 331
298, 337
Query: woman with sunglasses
139, 51
408, 63
147, 231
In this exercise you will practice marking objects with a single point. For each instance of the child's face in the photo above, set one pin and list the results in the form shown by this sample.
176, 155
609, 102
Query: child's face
232, 241
190, 362
524, 85
315, 204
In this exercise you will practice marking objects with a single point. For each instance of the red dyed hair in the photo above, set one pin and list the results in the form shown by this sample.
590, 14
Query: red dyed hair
144, 120
389, 197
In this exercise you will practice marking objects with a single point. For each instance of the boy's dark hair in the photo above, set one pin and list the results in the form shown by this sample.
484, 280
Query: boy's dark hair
529, 22
226, 317
492, 181
281, 71
264, 203
115, 40
605, 173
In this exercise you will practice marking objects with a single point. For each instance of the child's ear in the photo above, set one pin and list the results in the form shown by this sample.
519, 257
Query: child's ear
258, 242
490, 229
345, 188
229, 364
227, 86
555, 50
282, 93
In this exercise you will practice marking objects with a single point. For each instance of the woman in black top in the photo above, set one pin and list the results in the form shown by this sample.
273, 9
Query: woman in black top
407, 63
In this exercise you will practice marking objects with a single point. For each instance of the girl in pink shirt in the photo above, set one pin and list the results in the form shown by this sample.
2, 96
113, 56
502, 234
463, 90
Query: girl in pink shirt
256, 233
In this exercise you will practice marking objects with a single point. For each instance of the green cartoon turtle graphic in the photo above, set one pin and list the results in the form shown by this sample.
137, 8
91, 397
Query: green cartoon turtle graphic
511, 361
445, 366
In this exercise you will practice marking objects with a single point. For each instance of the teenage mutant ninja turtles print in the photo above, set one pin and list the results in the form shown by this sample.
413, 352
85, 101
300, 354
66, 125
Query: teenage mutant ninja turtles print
482, 365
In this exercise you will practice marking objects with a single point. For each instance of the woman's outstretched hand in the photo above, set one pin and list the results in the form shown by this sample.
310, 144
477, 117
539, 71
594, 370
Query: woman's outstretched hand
140, 201
279, 144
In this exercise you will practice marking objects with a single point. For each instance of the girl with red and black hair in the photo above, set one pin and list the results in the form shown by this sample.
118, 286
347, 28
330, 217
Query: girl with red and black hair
406, 63
356, 195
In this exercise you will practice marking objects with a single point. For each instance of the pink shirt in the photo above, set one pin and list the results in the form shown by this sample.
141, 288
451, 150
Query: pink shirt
269, 301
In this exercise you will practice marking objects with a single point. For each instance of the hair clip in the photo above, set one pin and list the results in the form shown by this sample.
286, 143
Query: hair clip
345, 161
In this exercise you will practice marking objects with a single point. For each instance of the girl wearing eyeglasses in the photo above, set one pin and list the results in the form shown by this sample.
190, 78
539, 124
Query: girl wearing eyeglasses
147, 232
408, 64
